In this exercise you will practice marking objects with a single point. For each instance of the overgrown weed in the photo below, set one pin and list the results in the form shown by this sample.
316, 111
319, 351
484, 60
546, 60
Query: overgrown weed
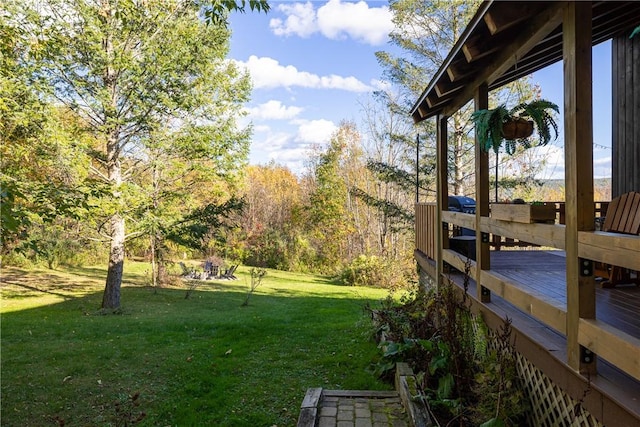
468, 376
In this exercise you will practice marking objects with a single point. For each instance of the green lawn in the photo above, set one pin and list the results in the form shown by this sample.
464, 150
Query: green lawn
188, 362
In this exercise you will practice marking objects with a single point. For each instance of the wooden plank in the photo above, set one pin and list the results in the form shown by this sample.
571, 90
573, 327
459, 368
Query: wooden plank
477, 47
442, 191
536, 305
374, 394
617, 347
550, 235
307, 417
633, 223
612, 248
606, 400
523, 213
460, 219
446, 88
458, 261
619, 214
312, 398
626, 109
536, 30
508, 17
608, 221
425, 228
483, 259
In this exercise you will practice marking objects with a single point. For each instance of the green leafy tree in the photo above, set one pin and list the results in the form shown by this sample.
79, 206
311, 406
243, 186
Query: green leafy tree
328, 216
127, 69
42, 161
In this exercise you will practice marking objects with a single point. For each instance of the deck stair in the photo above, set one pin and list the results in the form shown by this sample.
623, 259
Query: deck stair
372, 408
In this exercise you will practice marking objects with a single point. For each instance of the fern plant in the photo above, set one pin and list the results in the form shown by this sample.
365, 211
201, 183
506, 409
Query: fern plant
490, 123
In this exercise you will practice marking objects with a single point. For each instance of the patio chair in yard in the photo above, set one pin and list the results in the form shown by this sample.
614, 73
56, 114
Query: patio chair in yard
186, 271
228, 274
213, 272
623, 216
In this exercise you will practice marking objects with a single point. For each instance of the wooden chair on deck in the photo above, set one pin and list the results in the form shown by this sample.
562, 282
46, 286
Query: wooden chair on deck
623, 216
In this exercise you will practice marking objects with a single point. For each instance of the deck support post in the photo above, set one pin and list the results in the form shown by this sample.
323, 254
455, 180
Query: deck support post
578, 152
483, 260
442, 201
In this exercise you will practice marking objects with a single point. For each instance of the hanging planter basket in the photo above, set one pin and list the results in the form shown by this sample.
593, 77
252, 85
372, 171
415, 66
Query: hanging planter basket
512, 127
517, 129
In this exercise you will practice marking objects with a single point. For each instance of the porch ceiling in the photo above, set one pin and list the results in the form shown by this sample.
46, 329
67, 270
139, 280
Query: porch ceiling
507, 40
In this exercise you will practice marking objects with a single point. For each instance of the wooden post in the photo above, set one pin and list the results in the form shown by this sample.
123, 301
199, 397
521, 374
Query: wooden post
483, 260
442, 201
578, 152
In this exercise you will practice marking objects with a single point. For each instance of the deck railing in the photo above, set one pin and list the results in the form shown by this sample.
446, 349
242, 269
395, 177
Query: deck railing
608, 342
425, 229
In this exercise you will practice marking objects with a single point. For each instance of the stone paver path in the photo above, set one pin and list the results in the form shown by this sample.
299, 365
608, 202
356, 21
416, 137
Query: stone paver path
353, 408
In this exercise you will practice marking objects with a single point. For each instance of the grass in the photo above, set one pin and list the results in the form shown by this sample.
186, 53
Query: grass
199, 361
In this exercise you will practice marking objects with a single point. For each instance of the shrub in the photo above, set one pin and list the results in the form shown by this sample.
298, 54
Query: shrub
465, 376
371, 270
16, 259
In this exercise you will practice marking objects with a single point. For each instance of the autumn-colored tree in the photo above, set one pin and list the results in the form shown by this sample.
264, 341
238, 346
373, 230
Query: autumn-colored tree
271, 219
329, 220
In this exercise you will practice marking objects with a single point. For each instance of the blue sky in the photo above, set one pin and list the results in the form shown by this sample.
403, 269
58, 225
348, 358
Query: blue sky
313, 65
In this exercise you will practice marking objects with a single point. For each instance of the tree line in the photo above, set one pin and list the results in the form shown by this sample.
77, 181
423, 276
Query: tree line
120, 137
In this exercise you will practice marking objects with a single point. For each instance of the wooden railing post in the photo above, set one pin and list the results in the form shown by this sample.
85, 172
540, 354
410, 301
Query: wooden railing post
578, 149
442, 200
483, 261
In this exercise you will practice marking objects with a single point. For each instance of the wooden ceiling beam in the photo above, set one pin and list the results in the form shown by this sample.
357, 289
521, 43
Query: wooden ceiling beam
495, 51
534, 31
433, 100
447, 88
508, 17
457, 70
483, 45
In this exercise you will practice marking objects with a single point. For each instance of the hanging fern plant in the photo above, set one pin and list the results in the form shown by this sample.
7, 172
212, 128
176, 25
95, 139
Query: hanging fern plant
515, 126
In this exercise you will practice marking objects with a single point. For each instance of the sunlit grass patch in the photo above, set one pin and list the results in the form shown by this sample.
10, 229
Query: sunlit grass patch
199, 361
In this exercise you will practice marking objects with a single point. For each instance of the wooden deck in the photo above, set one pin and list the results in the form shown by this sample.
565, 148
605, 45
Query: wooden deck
544, 272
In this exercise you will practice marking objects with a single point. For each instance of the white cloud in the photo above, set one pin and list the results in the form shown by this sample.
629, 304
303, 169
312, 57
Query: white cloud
292, 147
602, 167
262, 128
316, 131
335, 20
273, 141
273, 110
355, 20
300, 21
267, 73
555, 168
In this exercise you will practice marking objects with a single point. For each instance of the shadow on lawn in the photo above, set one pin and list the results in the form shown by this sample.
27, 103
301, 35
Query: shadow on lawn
177, 353
17, 283
67, 283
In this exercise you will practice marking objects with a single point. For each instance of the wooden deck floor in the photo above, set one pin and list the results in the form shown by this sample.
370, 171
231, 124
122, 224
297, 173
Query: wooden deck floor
543, 272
